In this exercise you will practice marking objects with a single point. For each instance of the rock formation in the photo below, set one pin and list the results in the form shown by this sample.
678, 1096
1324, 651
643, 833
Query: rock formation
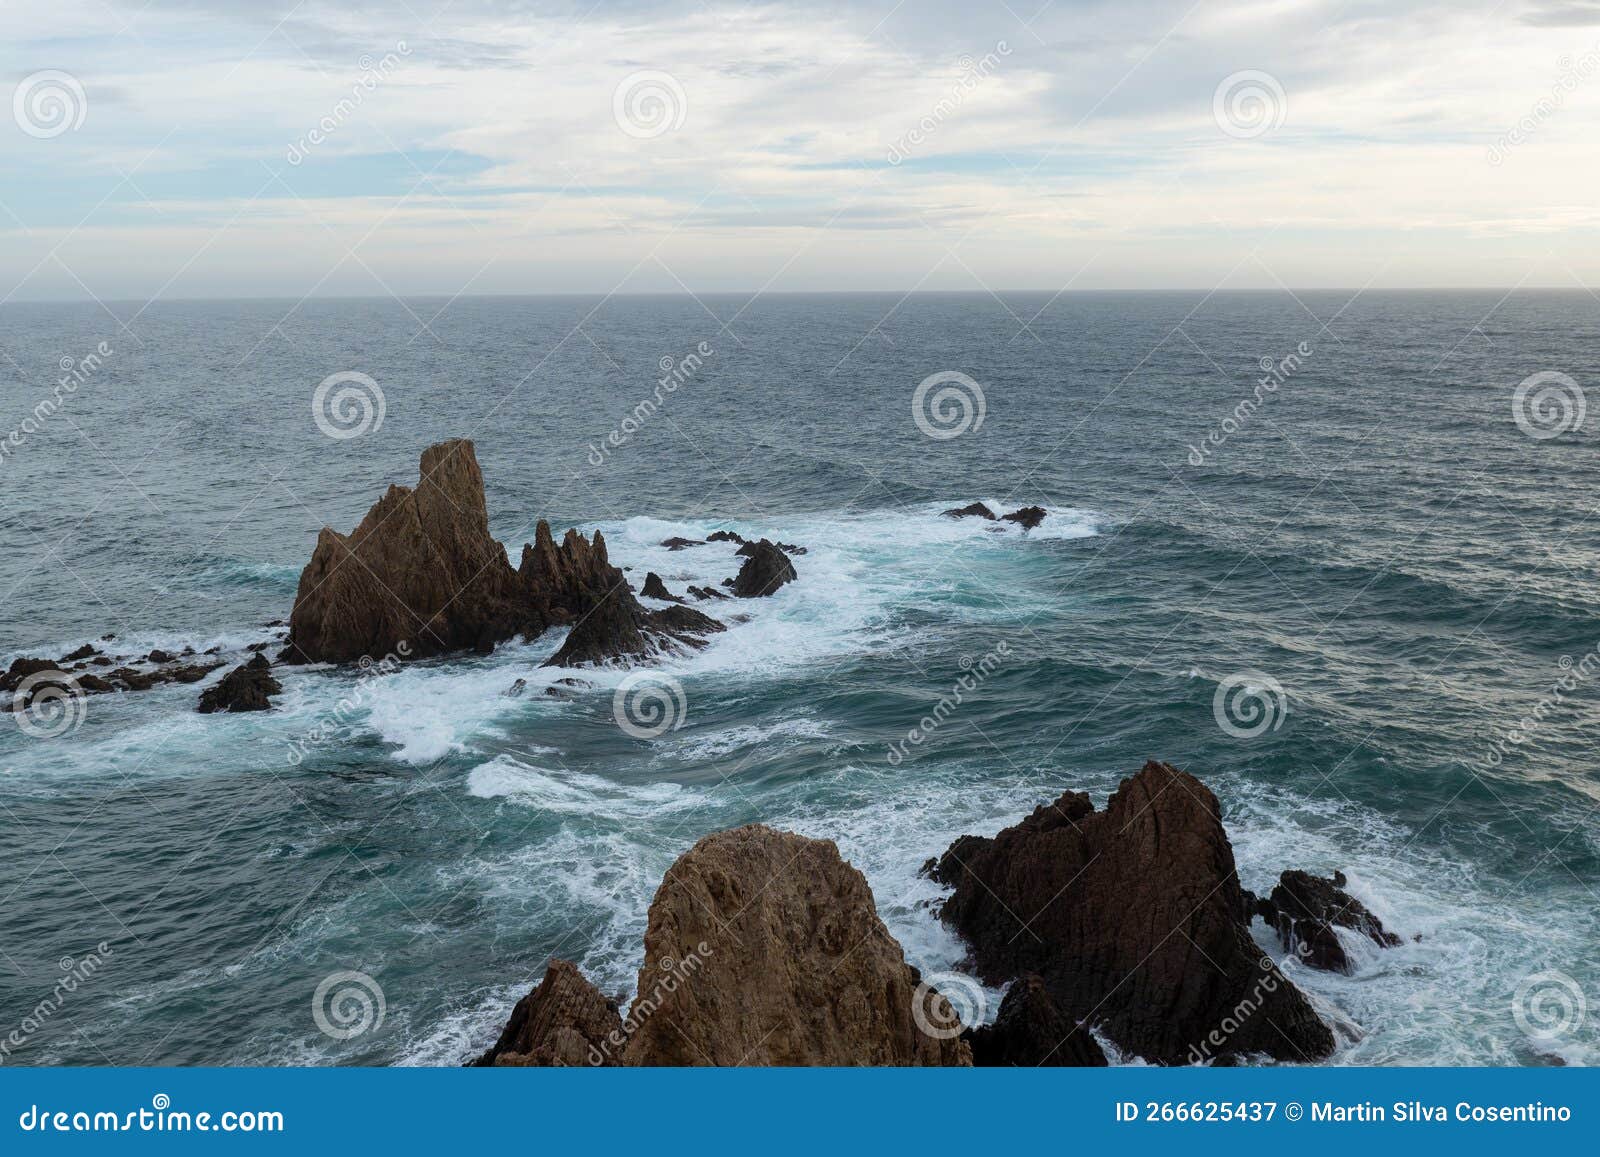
245, 688
766, 568
765, 948
1305, 909
725, 536
28, 676
1027, 517
681, 543
1133, 917
654, 588
563, 1022
1030, 1031
975, 510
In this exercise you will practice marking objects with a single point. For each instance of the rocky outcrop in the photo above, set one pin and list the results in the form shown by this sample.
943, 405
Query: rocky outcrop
766, 568
421, 568
765, 948
706, 593
1133, 918
654, 588
725, 536
616, 628
1031, 1031
247, 687
1305, 909
27, 677
1027, 517
563, 1022
975, 510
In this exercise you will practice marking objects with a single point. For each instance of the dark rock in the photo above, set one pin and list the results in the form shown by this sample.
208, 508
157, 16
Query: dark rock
1029, 516
724, 536
82, 652
1031, 1031
95, 685
1133, 917
654, 588
20, 669
563, 1022
253, 647
516, 689
749, 549
765, 948
976, 510
705, 593
245, 688
101, 661
765, 570
1304, 909
158, 656
680, 543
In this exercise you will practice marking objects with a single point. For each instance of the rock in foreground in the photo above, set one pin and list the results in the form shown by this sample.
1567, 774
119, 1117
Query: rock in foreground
1132, 917
1027, 517
563, 1022
247, 687
1031, 1031
766, 568
975, 510
1305, 909
774, 954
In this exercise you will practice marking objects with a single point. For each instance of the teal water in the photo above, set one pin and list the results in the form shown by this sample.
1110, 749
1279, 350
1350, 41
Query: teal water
1379, 549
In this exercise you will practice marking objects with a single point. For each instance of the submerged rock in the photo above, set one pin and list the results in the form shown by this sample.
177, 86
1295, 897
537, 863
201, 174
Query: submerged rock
765, 569
681, 543
1028, 516
976, 510
765, 948
1031, 1031
563, 1022
1304, 909
706, 593
1134, 917
245, 688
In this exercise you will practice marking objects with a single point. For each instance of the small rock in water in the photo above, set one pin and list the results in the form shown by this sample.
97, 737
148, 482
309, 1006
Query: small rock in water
654, 588
82, 652
245, 688
515, 689
724, 536
158, 656
681, 543
976, 510
1028, 516
765, 569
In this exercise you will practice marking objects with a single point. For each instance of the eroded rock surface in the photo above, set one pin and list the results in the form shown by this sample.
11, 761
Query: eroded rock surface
766, 568
1027, 517
563, 1022
1304, 910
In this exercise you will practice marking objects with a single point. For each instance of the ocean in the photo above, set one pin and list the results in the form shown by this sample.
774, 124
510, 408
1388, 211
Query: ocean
1359, 603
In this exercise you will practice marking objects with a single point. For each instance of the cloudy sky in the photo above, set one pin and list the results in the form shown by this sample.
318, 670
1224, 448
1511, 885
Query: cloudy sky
204, 148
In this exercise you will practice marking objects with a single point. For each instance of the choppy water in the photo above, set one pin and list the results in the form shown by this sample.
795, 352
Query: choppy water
1380, 538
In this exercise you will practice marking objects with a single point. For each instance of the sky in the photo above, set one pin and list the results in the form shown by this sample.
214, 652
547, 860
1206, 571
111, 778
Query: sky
240, 148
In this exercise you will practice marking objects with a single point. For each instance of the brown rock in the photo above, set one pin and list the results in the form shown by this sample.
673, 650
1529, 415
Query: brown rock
1133, 917
21, 668
1304, 909
765, 948
245, 688
976, 510
563, 1022
765, 569
654, 588
1029, 516
1031, 1031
